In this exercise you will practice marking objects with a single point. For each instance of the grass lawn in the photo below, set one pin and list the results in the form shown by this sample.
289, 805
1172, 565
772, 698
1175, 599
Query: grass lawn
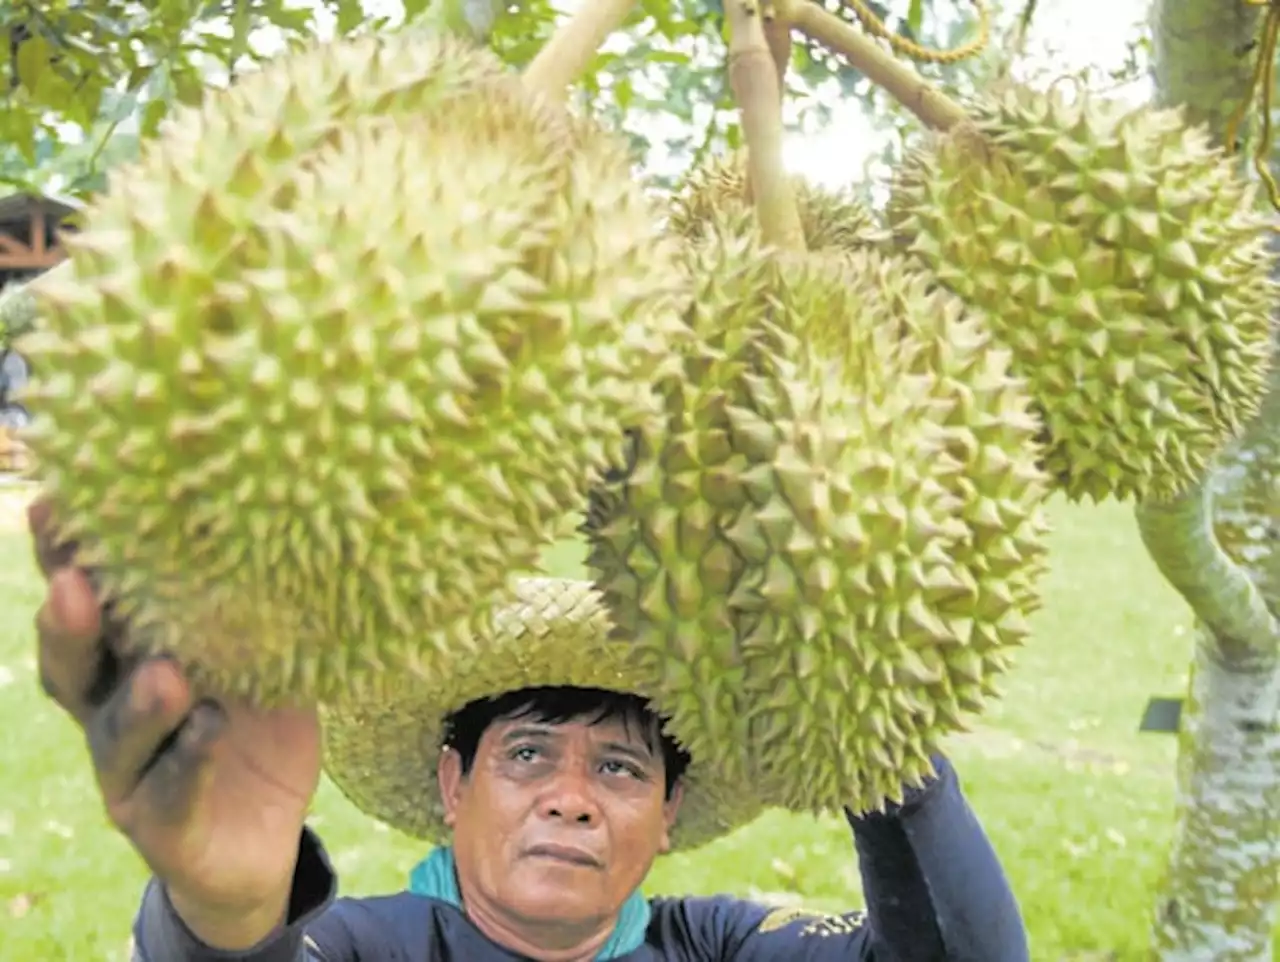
1077, 802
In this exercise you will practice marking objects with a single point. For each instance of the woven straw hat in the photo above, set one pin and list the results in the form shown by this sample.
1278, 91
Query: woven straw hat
382, 752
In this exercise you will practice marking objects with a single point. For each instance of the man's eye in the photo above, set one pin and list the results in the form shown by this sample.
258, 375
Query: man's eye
525, 753
623, 768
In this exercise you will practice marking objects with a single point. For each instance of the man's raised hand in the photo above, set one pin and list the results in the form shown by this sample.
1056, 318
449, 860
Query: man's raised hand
212, 796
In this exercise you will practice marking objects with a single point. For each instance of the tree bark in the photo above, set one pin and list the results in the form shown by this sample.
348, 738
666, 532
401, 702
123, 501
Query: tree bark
1214, 545
1218, 898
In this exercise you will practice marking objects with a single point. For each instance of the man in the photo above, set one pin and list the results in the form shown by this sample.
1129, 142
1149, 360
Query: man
550, 789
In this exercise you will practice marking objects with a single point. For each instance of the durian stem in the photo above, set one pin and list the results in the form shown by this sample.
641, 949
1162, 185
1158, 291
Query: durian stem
933, 108
753, 76
777, 34
569, 52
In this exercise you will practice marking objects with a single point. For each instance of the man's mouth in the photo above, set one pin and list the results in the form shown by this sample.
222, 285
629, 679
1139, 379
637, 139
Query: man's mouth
568, 854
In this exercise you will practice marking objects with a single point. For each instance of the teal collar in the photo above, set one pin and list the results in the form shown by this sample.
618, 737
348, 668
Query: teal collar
436, 878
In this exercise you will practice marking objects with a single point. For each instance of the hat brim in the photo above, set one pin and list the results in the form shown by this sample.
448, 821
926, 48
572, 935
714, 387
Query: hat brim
382, 752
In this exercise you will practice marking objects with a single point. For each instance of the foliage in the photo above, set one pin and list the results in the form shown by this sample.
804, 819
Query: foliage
1077, 802
87, 78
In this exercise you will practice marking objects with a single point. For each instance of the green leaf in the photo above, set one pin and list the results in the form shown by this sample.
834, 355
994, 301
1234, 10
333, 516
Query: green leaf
34, 67
241, 27
152, 114
915, 17
350, 16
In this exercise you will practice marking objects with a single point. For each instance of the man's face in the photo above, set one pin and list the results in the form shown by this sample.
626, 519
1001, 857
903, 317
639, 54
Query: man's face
556, 825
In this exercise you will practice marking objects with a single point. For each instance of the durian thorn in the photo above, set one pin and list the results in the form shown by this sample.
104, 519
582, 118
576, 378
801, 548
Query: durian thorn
567, 55
753, 76
930, 105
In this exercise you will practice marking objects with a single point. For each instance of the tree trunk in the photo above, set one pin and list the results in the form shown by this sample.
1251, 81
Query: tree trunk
1214, 546
1219, 894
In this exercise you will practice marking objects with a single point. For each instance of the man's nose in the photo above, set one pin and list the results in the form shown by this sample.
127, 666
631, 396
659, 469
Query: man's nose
570, 797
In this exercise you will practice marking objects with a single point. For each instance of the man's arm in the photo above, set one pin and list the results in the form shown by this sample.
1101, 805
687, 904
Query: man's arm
309, 933
935, 892
934, 886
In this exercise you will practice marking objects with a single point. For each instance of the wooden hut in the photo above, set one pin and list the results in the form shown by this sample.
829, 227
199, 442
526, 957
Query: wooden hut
31, 230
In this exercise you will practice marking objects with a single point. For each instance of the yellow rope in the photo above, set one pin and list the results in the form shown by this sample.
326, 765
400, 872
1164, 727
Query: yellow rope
908, 48
1264, 72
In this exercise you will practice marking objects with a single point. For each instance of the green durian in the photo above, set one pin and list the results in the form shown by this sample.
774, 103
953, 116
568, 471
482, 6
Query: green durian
340, 352
1119, 255
829, 550
718, 187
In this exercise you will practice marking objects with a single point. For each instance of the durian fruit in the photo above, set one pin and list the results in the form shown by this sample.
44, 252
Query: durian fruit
718, 186
828, 553
1120, 257
342, 349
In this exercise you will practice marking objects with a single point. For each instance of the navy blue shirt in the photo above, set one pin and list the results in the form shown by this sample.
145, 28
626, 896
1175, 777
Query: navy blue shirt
935, 892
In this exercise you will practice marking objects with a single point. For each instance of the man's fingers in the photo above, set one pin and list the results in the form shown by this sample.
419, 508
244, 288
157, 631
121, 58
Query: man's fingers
70, 655
180, 773
128, 730
51, 552
74, 604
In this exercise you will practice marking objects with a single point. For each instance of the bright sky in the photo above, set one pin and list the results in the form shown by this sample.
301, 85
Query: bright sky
1066, 36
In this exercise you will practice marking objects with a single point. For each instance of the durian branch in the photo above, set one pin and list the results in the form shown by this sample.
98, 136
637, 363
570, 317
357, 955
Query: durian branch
777, 34
569, 52
930, 105
1179, 536
753, 76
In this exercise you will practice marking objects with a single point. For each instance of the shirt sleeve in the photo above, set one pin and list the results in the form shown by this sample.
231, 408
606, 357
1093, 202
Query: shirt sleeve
935, 892
160, 935
934, 851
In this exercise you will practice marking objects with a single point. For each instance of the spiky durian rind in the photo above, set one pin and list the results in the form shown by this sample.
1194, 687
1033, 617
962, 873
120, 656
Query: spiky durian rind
829, 551
338, 353
1120, 257
716, 189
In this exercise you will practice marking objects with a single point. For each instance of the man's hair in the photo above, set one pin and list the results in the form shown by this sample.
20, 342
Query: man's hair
465, 727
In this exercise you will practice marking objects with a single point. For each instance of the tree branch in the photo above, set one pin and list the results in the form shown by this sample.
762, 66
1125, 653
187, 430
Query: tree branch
1246, 496
933, 108
777, 34
569, 52
753, 75
1179, 536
